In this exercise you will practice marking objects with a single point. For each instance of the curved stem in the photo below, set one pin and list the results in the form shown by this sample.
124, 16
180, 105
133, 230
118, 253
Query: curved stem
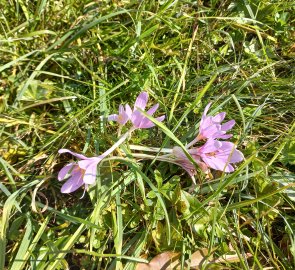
141, 156
193, 142
117, 144
150, 149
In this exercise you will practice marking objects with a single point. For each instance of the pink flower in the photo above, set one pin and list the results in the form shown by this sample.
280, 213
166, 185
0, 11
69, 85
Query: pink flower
138, 119
84, 171
211, 127
219, 155
123, 116
81, 173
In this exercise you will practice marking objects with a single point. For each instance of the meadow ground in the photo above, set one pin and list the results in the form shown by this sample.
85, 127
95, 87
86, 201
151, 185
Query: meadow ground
66, 65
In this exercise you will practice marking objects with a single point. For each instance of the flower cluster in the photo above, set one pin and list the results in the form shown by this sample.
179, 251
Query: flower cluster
214, 154
211, 151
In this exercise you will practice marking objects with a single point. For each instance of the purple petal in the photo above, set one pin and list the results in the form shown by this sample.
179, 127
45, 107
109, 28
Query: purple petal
136, 118
206, 109
90, 174
204, 115
219, 134
227, 146
228, 150
210, 146
84, 164
73, 183
218, 164
146, 123
214, 163
113, 117
224, 136
219, 117
152, 110
64, 171
128, 110
211, 130
121, 109
229, 168
141, 101
236, 156
123, 118
228, 125
160, 118
205, 122
80, 156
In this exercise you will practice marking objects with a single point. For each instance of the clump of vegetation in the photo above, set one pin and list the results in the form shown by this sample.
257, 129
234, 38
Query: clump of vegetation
66, 66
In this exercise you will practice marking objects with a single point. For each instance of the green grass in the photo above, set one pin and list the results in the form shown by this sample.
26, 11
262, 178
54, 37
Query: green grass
64, 64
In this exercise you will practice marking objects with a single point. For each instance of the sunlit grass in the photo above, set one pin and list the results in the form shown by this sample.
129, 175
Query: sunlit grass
66, 65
